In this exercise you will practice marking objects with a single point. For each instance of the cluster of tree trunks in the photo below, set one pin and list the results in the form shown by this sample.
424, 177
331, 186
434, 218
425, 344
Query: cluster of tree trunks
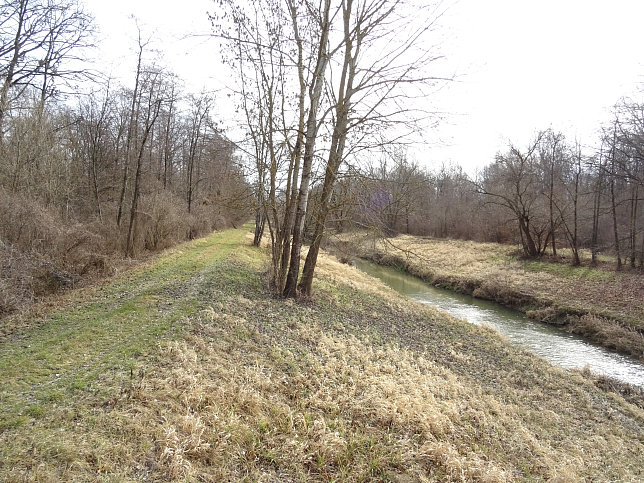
318, 82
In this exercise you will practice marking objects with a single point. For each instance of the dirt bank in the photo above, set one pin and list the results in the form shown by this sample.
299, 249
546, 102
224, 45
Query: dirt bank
188, 369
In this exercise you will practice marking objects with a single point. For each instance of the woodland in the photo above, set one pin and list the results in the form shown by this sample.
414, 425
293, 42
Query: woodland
94, 176
95, 173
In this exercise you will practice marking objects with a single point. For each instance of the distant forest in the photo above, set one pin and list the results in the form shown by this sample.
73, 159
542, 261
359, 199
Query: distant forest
543, 197
91, 177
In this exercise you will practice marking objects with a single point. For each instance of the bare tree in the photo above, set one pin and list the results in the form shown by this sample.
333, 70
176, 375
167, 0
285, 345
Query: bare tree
199, 111
568, 205
152, 94
131, 125
630, 146
597, 196
37, 39
378, 63
612, 179
303, 110
279, 51
512, 182
551, 154
94, 126
312, 124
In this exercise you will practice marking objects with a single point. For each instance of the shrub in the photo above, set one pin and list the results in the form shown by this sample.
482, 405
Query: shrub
165, 224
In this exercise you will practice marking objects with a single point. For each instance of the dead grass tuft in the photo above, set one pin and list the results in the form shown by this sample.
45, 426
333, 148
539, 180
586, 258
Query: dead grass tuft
608, 333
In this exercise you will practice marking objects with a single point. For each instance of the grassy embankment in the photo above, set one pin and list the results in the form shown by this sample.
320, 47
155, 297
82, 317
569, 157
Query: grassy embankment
187, 369
603, 305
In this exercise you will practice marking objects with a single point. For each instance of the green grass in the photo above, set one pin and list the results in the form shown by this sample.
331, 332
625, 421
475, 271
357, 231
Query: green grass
73, 348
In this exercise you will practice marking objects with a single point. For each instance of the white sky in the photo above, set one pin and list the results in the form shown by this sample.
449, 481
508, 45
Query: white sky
521, 65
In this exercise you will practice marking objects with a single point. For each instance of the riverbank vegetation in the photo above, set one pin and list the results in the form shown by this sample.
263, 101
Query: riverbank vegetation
598, 302
188, 368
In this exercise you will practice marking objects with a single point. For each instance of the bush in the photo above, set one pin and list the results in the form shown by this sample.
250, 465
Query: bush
41, 252
609, 333
165, 224
25, 225
16, 281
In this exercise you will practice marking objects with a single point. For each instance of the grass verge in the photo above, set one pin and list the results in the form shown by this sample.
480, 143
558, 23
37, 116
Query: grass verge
220, 381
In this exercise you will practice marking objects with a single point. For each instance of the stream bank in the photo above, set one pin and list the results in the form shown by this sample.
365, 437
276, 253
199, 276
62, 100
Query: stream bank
601, 306
193, 353
556, 346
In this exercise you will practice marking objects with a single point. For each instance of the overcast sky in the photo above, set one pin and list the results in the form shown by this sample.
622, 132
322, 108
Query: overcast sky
520, 65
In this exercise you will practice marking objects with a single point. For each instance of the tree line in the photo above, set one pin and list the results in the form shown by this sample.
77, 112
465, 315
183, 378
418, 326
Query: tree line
547, 195
328, 93
92, 169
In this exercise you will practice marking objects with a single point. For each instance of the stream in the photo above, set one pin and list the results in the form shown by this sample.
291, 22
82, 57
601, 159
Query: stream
554, 345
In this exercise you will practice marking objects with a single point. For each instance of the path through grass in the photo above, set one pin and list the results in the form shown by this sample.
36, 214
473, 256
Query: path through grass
188, 369
73, 348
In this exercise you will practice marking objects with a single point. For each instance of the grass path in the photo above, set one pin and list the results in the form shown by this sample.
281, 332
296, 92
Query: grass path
188, 369
74, 347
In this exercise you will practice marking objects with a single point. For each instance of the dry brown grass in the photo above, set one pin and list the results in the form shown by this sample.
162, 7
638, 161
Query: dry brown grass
551, 292
357, 385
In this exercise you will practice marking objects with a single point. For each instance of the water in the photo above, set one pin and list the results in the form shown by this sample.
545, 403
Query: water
548, 342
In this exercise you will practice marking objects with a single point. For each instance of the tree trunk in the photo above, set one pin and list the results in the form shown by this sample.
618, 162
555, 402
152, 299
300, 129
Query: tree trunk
552, 194
322, 211
167, 168
260, 221
130, 133
129, 248
97, 199
150, 120
315, 92
343, 106
285, 236
614, 208
335, 159
633, 223
529, 246
574, 245
596, 208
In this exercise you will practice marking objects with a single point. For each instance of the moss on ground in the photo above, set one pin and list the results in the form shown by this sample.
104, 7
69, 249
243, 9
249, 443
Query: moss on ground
190, 370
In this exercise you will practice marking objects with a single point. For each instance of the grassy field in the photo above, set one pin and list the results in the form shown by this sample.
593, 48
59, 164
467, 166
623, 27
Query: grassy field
187, 369
599, 303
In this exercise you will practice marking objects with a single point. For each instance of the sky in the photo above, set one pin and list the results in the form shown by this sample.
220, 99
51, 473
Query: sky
519, 66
